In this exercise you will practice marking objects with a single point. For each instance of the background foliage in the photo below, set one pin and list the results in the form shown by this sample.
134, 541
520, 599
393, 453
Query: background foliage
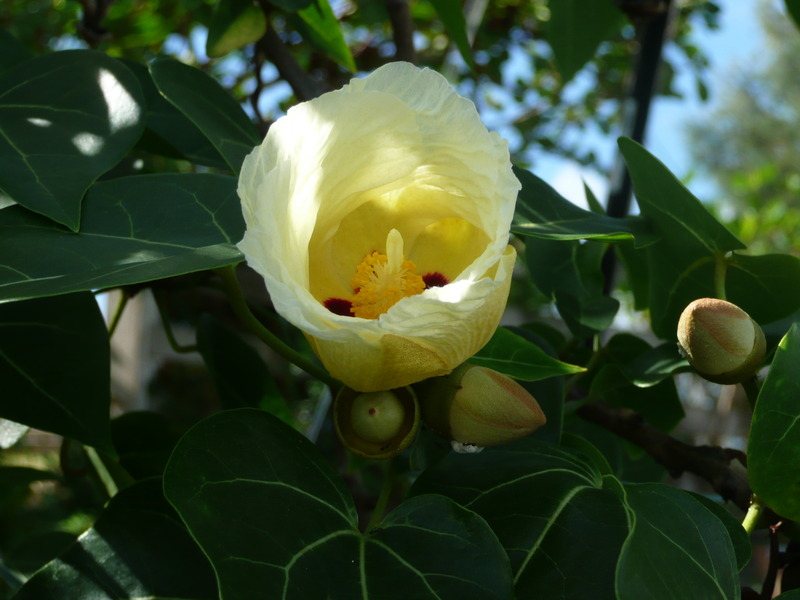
123, 127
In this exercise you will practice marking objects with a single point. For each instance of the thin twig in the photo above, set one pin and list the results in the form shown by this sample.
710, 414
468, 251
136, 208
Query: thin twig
304, 86
712, 463
768, 588
402, 29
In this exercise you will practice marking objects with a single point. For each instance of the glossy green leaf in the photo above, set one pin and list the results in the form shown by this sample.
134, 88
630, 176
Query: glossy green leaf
451, 13
319, 26
773, 457
241, 377
740, 539
654, 365
576, 29
54, 365
12, 52
542, 212
659, 404
677, 549
66, 118
136, 550
561, 529
235, 23
167, 130
135, 229
682, 221
578, 290
276, 521
11, 433
766, 287
209, 107
516, 357
793, 9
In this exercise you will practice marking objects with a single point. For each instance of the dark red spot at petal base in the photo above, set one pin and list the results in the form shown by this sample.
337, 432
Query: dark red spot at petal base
339, 306
434, 280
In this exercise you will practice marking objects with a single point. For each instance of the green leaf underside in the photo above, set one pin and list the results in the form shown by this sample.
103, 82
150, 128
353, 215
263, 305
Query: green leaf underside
451, 12
277, 522
133, 552
209, 107
561, 530
677, 549
235, 23
318, 24
516, 357
542, 212
65, 119
773, 458
135, 229
576, 29
54, 357
676, 214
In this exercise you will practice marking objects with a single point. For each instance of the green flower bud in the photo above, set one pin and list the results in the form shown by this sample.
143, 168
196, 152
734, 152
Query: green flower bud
478, 406
376, 425
721, 341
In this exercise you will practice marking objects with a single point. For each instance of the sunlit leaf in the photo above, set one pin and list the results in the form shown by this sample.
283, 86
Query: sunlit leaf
277, 521
773, 458
65, 118
209, 107
561, 529
135, 229
235, 23
54, 365
451, 13
516, 357
319, 26
677, 548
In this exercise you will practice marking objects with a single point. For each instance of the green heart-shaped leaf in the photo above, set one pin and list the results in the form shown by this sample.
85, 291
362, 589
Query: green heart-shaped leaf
276, 521
65, 118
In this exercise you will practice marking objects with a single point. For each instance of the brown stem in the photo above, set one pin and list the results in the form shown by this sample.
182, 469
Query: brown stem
774, 562
403, 29
712, 463
304, 86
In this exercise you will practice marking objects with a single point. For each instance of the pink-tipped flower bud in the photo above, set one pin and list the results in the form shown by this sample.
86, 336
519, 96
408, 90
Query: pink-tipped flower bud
721, 341
478, 406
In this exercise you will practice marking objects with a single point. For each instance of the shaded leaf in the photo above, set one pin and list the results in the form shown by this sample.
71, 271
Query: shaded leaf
209, 107
561, 529
576, 29
542, 212
66, 118
793, 8
319, 26
676, 549
276, 521
167, 130
11, 51
516, 357
235, 23
240, 375
451, 13
773, 458
144, 455
578, 290
135, 229
54, 365
739, 537
135, 550
15, 485
683, 223
766, 287
291, 5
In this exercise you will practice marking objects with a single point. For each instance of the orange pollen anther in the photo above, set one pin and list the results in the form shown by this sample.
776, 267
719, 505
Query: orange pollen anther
381, 280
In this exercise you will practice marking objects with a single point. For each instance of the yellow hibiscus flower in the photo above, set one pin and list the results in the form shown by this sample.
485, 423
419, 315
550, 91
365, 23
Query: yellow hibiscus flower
379, 216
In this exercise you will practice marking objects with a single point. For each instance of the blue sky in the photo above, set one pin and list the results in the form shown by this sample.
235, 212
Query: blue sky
735, 43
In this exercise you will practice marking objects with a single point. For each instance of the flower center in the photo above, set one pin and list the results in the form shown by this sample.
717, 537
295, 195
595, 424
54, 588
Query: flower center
381, 280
